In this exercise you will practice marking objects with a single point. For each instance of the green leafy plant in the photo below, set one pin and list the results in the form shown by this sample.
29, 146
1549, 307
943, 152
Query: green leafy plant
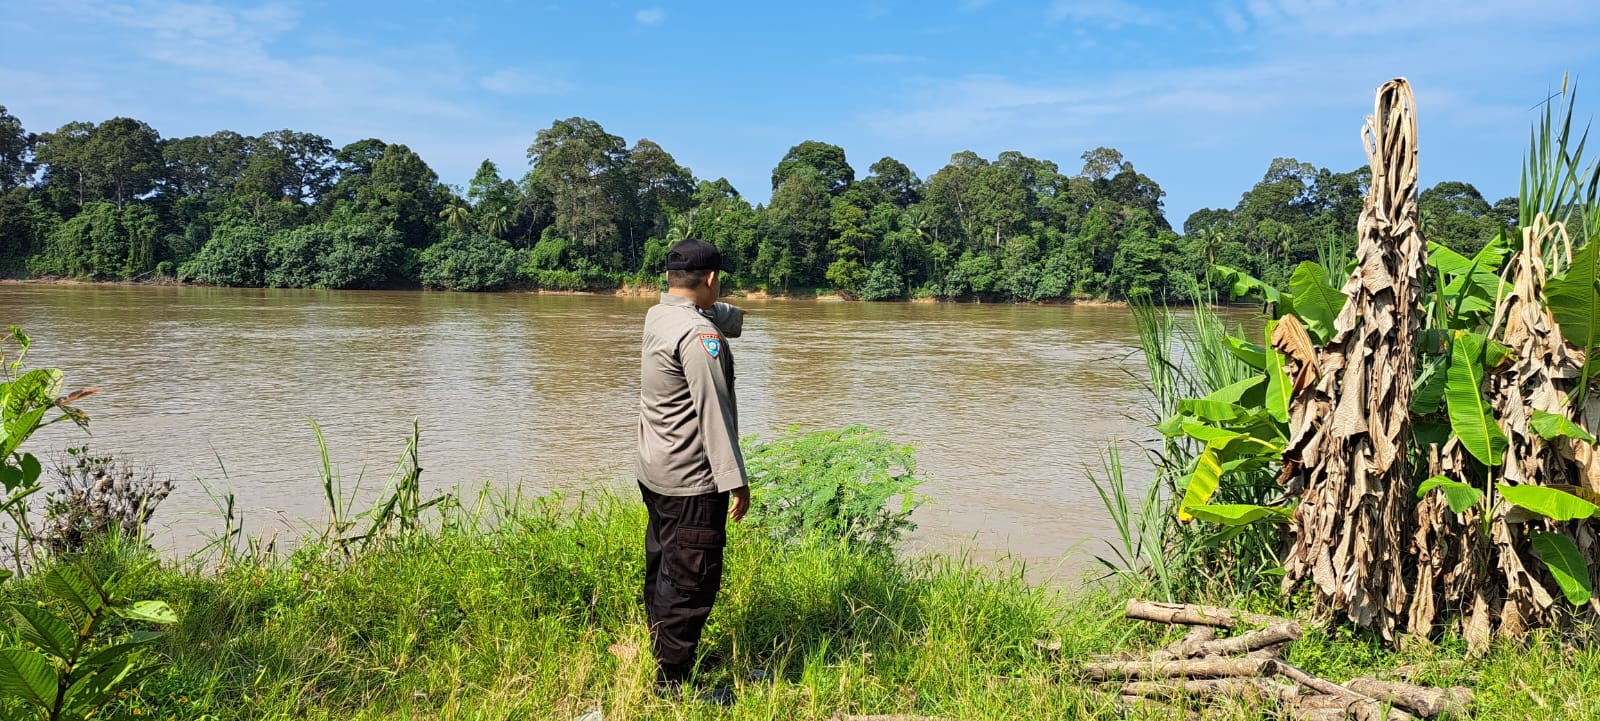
850, 484
73, 665
27, 399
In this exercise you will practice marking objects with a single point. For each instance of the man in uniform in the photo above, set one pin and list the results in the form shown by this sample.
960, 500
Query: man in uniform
690, 470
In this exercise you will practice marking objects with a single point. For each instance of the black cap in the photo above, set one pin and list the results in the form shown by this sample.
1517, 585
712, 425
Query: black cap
693, 254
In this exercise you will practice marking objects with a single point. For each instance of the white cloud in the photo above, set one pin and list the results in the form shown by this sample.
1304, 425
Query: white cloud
650, 16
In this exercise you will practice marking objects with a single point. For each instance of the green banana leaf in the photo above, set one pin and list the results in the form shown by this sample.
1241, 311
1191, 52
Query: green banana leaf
1566, 564
1240, 514
1552, 503
1460, 496
1315, 302
1470, 415
1574, 299
1549, 426
1203, 482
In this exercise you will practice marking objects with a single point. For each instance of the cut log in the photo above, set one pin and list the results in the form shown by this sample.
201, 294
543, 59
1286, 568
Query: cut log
1195, 615
1179, 668
1189, 645
1253, 689
1367, 706
1421, 700
1275, 635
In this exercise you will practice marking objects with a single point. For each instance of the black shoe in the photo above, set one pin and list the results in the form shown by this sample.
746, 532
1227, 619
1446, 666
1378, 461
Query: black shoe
716, 696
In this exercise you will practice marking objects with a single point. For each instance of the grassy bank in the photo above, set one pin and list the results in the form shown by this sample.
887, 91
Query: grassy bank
531, 611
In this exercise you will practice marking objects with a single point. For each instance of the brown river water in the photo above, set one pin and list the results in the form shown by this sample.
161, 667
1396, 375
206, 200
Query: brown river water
1009, 407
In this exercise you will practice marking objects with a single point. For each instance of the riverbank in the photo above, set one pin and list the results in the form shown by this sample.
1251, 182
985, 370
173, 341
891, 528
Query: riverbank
625, 291
531, 611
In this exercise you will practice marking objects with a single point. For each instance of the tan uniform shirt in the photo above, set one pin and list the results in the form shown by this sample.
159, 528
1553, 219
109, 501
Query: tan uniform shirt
688, 417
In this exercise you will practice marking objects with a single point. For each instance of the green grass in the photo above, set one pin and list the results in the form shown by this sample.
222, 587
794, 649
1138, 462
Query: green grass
531, 614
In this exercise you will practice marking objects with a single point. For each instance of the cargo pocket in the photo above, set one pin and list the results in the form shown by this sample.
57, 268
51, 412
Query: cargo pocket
696, 565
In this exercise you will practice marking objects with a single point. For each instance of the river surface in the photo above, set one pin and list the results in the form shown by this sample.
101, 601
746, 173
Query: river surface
1010, 407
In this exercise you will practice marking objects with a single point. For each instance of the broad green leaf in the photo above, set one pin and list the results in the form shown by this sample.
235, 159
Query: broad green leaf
26, 675
1240, 514
72, 584
1234, 393
1315, 302
1551, 425
1211, 411
1566, 564
1428, 392
1470, 416
43, 629
4, 574
1241, 284
1251, 354
111, 653
30, 469
1210, 435
1552, 503
1574, 298
1279, 389
1172, 426
152, 611
1460, 496
1203, 483
1479, 274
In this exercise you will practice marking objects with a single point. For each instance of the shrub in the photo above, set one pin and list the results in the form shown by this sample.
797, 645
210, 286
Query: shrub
841, 483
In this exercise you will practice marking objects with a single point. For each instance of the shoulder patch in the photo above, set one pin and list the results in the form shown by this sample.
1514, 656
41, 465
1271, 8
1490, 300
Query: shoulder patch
712, 343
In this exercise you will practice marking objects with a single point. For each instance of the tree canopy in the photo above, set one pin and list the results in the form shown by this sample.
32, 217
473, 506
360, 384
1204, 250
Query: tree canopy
114, 200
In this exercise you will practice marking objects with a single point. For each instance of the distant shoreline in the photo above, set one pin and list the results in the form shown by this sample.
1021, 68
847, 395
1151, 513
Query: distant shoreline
623, 292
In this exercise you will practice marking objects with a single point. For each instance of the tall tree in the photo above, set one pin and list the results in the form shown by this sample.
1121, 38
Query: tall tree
404, 195
892, 182
583, 168
126, 158
16, 152
825, 159
67, 158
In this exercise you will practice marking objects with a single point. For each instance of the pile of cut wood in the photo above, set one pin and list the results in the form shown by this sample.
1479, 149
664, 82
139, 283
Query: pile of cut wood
1205, 670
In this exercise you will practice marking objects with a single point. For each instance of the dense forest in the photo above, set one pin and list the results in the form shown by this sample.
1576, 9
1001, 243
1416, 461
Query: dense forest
116, 201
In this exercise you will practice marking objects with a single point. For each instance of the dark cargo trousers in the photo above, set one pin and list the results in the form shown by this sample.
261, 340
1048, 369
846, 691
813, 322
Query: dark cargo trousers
683, 545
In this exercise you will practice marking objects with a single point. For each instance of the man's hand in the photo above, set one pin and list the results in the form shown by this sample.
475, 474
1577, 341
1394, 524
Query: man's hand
738, 503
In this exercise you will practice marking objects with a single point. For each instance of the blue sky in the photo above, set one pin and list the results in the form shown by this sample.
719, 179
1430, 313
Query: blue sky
1199, 96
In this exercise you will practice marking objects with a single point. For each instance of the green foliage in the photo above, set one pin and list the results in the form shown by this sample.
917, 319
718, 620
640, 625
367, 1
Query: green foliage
850, 485
235, 256
1470, 415
1315, 301
1549, 502
332, 257
1460, 496
75, 662
1567, 564
1551, 426
29, 400
469, 262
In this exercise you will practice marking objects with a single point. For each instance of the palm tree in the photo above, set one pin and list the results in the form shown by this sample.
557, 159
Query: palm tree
456, 213
499, 221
